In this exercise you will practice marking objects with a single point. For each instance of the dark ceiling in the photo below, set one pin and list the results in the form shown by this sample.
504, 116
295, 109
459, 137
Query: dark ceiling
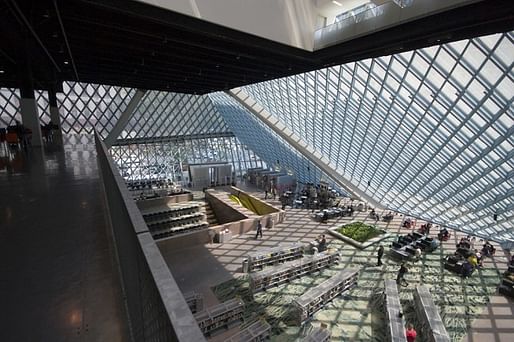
132, 44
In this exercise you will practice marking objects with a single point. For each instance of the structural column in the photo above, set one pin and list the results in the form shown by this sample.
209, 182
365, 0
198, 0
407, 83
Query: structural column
54, 110
28, 105
124, 118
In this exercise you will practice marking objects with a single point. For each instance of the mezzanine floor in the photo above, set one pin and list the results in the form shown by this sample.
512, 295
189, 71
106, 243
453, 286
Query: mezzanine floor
58, 279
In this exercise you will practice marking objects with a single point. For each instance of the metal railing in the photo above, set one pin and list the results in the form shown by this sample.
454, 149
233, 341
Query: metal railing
378, 18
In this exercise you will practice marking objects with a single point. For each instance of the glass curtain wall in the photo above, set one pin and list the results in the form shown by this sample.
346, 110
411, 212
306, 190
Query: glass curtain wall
168, 160
428, 132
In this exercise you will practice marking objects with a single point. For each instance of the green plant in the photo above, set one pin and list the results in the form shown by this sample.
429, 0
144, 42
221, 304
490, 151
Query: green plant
359, 231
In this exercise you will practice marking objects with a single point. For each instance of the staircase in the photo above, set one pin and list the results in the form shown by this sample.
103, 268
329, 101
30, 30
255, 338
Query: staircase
205, 208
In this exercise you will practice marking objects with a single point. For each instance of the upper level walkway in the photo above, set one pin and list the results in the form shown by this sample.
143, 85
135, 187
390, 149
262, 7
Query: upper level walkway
58, 281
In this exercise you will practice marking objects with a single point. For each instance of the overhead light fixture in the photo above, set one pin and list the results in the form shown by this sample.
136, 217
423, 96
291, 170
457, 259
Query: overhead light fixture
2, 71
66, 62
337, 3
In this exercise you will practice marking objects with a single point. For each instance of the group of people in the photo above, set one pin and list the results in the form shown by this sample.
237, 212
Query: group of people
270, 188
425, 228
473, 258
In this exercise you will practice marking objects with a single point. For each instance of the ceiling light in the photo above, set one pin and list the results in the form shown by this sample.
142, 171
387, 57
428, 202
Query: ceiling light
66, 62
337, 3
2, 71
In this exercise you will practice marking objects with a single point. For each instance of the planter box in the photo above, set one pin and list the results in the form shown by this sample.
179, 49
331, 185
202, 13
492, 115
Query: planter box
333, 231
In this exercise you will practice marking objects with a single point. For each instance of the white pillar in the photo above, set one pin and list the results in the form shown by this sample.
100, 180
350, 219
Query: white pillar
124, 118
30, 118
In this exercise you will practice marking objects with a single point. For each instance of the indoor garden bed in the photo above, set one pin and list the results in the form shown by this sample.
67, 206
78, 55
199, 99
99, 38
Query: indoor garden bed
359, 234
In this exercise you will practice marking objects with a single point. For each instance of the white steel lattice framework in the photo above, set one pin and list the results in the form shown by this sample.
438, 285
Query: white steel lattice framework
162, 114
427, 132
268, 145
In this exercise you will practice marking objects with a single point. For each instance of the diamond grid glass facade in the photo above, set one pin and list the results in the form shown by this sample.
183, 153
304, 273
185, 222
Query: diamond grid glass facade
84, 107
431, 130
274, 150
168, 160
162, 114
10, 104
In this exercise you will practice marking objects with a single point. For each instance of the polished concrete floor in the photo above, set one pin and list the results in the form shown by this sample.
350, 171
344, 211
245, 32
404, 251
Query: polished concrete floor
57, 277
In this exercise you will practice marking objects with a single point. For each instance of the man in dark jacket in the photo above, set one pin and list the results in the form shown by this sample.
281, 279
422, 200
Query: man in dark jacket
401, 273
379, 255
259, 230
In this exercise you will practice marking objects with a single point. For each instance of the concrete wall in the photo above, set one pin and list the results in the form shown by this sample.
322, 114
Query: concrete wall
232, 216
155, 306
162, 201
224, 211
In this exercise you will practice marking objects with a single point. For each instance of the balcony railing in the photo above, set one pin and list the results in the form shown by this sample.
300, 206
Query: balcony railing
378, 18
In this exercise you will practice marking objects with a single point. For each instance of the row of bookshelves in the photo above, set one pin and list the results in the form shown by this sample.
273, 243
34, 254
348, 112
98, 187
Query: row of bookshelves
220, 315
174, 211
276, 275
167, 232
194, 300
272, 256
256, 332
171, 221
393, 309
432, 326
317, 335
315, 298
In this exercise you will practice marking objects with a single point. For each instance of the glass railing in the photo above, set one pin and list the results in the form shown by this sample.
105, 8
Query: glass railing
374, 19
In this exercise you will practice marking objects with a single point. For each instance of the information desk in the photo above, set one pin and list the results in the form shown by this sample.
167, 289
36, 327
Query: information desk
393, 308
255, 332
276, 275
315, 298
432, 325
274, 255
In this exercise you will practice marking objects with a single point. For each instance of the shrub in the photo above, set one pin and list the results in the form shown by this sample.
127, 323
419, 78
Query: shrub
359, 231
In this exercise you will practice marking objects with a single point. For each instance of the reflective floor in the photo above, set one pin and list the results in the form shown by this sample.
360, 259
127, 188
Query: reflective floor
57, 277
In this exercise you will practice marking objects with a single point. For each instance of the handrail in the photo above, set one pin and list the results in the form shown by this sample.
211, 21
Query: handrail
378, 18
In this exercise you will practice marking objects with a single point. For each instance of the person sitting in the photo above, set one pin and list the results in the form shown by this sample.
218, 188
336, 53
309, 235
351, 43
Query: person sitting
434, 244
322, 243
467, 269
417, 254
472, 259
443, 234
325, 216
487, 249
480, 258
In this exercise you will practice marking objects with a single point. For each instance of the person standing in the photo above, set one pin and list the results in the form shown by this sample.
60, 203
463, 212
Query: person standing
259, 230
410, 333
379, 255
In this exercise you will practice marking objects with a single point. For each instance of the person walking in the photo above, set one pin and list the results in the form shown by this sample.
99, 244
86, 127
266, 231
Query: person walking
410, 333
401, 273
259, 230
379, 255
